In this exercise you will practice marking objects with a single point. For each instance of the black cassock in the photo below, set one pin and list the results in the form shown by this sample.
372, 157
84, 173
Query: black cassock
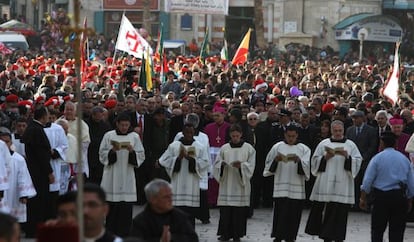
38, 155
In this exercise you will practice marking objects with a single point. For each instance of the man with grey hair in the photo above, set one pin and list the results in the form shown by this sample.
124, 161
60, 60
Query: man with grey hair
160, 221
335, 163
408, 121
382, 122
69, 114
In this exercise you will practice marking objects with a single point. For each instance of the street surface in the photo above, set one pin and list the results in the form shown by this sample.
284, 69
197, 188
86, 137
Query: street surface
259, 227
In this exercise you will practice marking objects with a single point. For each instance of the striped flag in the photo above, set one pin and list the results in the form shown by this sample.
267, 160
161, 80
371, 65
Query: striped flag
204, 47
241, 54
392, 86
83, 48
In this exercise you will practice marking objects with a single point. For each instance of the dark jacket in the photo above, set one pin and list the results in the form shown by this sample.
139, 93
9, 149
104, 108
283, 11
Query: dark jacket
148, 226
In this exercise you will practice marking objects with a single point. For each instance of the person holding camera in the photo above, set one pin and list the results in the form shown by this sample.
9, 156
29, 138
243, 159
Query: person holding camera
389, 179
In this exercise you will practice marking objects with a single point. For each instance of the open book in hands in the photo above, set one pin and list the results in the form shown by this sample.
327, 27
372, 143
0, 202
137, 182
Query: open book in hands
334, 151
120, 145
287, 157
191, 151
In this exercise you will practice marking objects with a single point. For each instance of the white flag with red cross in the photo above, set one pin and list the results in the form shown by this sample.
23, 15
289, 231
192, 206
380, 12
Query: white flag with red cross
130, 41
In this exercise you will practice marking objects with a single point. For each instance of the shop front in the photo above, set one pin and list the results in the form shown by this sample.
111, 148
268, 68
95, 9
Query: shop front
380, 33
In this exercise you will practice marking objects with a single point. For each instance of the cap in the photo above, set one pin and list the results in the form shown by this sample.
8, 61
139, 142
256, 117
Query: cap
284, 112
110, 103
396, 120
12, 98
328, 108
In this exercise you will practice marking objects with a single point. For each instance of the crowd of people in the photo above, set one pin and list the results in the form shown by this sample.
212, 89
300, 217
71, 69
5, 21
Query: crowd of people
270, 133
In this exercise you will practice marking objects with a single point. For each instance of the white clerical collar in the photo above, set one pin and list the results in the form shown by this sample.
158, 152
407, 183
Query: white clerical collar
95, 238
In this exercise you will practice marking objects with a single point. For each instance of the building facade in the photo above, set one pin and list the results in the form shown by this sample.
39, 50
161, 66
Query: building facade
310, 19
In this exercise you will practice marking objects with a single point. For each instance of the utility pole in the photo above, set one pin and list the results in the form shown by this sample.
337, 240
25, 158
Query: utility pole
78, 31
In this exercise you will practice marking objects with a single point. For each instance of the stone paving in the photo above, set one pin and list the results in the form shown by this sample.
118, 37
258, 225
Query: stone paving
260, 225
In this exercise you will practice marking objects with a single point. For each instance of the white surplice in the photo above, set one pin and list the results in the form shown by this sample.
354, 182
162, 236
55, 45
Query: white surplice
20, 186
5, 159
287, 182
185, 184
59, 142
85, 138
118, 179
234, 184
202, 138
335, 184
18, 146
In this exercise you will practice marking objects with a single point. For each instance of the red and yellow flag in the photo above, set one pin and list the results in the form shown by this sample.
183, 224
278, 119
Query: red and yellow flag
241, 54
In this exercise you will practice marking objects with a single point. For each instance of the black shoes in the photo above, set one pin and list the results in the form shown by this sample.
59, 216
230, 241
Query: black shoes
222, 238
205, 221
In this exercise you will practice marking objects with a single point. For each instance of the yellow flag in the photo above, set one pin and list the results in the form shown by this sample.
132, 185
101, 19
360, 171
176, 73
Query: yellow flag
148, 74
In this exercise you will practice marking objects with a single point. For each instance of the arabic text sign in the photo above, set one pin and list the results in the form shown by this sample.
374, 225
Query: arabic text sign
197, 6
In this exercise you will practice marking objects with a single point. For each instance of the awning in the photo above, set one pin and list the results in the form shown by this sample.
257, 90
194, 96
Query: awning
381, 28
172, 44
398, 4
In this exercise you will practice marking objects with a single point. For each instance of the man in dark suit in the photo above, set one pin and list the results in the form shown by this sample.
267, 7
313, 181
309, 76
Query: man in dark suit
97, 129
381, 120
140, 123
266, 136
38, 155
366, 139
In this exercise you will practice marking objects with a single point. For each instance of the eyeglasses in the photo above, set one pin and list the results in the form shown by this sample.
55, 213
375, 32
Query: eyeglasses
252, 118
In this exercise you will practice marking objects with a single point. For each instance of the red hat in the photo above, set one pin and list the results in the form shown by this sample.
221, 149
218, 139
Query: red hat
42, 68
50, 102
31, 72
110, 103
25, 103
259, 83
275, 100
218, 108
109, 60
396, 120
40, 98
90, 75
68, 97
93, 68
12, 98
68, 63
328, 108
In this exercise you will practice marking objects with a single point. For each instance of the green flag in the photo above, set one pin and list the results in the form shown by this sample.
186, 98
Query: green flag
143, 75
204, 47
224, 54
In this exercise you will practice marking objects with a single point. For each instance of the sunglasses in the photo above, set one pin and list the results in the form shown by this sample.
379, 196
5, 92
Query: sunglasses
252, 118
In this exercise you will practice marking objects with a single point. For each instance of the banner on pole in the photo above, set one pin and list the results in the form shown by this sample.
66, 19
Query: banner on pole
130, 41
